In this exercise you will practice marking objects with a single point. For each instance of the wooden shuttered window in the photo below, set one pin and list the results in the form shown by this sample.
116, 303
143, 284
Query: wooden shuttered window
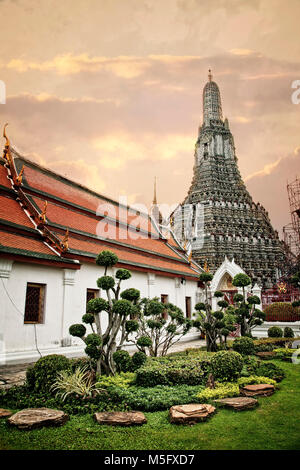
34, 305
91, 294
188, 307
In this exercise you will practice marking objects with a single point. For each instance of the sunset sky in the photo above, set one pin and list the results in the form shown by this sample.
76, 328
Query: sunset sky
109, 92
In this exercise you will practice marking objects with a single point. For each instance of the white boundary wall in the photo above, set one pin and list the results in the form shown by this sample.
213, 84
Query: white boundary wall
262, 330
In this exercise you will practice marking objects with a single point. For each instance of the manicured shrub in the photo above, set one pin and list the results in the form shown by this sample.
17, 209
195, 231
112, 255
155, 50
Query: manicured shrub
275, 332
282, 311
122, 360
226, 365
268, 369
275, 342
83, 362
288, 332
243, 345
173, 372
78, 330
254, 379
43, 374
284, 354
138, 360
263, 347
221, 391
156, 398
250, 366
106, 258
122, 380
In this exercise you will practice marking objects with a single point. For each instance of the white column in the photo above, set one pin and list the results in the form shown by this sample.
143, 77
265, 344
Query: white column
151, 282
257, 291
177, 281
5, 271
68, 302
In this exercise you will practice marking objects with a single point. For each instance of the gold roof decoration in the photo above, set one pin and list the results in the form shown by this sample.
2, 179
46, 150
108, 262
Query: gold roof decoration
19, 177
65, 241
6, 151
42, 216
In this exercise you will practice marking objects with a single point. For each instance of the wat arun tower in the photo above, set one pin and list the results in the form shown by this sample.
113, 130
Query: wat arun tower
226, 222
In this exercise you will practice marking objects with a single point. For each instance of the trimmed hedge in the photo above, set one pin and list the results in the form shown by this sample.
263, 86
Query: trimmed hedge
173, 371
156, 398
244, 345
282, 311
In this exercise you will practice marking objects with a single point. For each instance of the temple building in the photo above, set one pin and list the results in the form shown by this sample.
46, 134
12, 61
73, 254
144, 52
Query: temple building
51, 230
218, 217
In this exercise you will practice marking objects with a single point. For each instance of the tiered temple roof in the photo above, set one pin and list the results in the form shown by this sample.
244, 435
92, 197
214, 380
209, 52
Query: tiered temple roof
47, 218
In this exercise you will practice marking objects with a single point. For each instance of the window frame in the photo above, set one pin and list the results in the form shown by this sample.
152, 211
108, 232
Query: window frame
42, 302
91, 290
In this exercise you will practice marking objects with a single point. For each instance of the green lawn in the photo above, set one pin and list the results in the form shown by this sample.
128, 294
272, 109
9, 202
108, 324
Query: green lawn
275, 424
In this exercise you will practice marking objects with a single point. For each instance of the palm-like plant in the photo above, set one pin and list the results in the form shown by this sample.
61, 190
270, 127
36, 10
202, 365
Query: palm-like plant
78, 382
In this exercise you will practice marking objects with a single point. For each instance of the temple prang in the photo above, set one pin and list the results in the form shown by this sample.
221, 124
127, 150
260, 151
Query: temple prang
233, 226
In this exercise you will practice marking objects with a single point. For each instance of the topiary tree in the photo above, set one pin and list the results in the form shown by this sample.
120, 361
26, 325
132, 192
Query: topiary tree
275, 332
215, 325
247, 315
102, 344
288, 332
159, 326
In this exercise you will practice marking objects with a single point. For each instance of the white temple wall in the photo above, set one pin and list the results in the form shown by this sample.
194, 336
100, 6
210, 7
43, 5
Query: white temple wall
65, 303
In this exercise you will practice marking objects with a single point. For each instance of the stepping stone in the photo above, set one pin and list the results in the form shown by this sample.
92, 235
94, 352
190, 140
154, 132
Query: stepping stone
5, 413
33, 418
265, 354
262, 390
190, 414
121, 418
238, 403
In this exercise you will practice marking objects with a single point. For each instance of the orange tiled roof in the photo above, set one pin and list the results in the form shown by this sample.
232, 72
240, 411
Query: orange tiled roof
4, 181
88, 246
24, 244
73, 207
59, 187
11, 211
67, 217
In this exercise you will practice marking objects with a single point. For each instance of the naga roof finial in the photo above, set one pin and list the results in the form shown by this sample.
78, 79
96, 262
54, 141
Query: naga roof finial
65, 241
20, 176
42, 216
7, 144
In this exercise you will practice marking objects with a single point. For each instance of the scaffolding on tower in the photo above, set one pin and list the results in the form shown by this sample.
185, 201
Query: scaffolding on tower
291, 231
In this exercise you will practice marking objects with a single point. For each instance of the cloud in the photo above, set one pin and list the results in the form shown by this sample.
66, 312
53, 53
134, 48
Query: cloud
269, 186
116, 151
68, 64
242, 52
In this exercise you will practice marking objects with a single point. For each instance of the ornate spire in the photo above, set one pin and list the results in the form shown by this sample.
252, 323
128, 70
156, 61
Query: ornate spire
212, 107
154, 196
